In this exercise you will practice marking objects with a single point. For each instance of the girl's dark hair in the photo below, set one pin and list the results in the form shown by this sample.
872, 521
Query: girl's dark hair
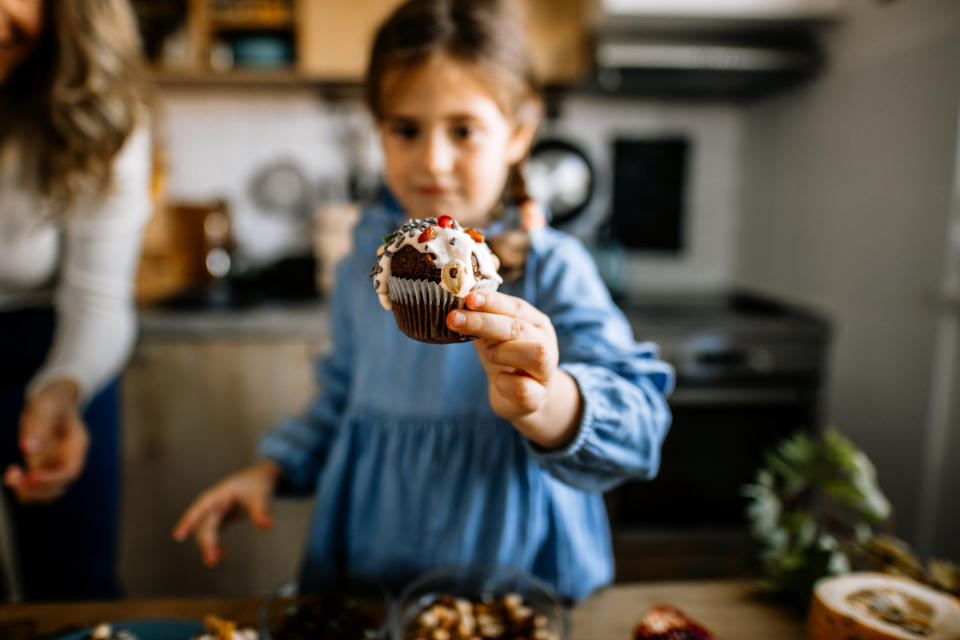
485, 34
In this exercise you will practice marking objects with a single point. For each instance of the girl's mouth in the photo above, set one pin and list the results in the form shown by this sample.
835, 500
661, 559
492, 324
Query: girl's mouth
432, 191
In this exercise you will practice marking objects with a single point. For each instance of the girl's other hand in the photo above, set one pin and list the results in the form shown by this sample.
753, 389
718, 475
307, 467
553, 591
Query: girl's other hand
249, 490
54, 442
517, 345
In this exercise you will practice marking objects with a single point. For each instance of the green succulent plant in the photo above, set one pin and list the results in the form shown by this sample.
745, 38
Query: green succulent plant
815, 499
817, 510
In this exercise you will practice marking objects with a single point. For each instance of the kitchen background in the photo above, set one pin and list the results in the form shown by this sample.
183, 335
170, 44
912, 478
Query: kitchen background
820, 176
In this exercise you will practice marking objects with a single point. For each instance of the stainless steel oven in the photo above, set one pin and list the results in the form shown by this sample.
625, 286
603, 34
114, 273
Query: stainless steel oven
749, 372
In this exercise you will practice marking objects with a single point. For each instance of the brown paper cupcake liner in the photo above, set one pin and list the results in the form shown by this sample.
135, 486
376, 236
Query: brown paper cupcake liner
420, 308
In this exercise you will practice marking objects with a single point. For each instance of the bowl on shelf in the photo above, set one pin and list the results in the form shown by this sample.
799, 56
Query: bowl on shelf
340, 608
479, 602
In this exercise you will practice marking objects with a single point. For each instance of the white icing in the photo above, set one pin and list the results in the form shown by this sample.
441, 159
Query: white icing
446, 253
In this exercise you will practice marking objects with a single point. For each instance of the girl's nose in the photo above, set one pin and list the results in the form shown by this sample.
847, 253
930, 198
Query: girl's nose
437, 153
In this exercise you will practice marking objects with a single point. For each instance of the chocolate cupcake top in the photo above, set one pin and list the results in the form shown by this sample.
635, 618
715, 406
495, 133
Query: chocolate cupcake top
454, 257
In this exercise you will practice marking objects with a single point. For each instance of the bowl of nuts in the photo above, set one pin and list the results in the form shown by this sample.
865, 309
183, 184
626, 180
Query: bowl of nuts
479, 603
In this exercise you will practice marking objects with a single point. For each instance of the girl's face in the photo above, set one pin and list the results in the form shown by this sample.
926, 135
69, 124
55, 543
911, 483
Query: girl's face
447, 144
21, 22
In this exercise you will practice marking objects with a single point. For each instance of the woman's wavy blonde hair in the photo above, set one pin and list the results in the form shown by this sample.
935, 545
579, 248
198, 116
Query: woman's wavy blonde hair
72, 104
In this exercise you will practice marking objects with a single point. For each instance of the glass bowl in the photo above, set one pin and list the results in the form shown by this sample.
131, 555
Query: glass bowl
343, 608
487, 601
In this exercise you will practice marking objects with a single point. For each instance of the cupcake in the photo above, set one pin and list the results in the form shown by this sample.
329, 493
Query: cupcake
425, 269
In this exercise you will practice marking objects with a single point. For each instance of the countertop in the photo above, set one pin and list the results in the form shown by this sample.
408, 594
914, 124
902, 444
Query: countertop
657, 317
728, 608
294, 320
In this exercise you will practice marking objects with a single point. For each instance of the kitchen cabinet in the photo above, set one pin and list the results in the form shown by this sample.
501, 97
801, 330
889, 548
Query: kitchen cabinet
334, 39
330, 40
193, 409
559, 33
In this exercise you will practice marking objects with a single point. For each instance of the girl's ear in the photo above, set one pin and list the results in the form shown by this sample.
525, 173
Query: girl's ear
527, 121
520, 140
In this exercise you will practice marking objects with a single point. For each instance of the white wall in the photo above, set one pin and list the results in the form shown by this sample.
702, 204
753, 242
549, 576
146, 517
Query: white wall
219, 137
846, 195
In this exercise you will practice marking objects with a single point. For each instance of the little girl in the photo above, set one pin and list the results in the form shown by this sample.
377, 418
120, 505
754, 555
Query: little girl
495, 452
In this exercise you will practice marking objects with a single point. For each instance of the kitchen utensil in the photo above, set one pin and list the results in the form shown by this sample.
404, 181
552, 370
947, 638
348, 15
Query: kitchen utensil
332, 239
281, 187
560, 175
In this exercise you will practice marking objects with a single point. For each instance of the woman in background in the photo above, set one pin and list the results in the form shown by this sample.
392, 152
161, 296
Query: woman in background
74, 195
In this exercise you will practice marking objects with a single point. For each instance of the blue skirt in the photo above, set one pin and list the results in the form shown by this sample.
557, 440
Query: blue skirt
66, 549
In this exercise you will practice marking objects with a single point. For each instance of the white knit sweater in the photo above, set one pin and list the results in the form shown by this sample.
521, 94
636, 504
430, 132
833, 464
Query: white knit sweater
86, 265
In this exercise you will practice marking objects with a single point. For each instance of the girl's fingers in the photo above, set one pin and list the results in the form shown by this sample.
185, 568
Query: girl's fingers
506, 305
207, 536
489, 326
533, 358
525, 393
195, 513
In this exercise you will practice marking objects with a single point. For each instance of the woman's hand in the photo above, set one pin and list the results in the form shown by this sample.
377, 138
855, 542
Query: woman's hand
518, 349
54, 442
249, 490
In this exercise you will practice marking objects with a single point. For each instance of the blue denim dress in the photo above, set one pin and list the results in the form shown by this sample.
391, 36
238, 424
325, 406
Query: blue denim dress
413, 470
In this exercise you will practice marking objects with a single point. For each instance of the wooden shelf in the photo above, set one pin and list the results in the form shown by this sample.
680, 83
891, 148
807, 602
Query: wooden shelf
330, 41
336, 89
264, 14
224, 23
253, 79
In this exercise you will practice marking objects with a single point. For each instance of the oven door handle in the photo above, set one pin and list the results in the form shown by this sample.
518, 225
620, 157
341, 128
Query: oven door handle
736, 396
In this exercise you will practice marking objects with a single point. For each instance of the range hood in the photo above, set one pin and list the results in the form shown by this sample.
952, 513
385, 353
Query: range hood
737, 49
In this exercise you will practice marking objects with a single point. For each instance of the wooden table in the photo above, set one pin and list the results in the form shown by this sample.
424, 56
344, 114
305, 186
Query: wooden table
728, 608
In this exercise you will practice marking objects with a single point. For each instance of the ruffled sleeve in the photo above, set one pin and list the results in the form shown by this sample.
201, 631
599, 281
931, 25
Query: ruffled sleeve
625, 415
298, 444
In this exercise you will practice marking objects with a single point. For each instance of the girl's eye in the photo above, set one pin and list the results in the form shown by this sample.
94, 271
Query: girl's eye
405, 130
464, 132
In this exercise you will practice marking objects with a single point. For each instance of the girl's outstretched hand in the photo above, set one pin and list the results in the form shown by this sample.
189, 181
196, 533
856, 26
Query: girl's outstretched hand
518, 349
249, 490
